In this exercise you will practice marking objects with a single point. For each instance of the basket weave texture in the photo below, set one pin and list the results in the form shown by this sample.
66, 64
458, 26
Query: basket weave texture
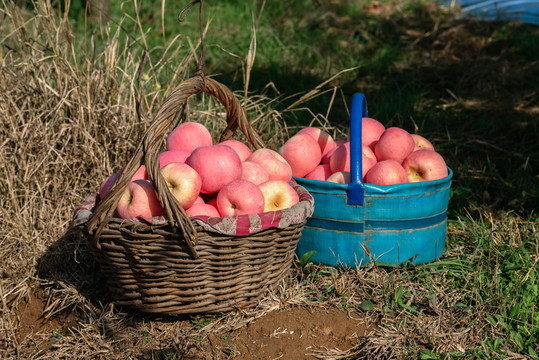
181, 265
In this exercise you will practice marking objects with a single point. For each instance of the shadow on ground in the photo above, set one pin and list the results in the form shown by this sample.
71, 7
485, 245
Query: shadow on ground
70, 263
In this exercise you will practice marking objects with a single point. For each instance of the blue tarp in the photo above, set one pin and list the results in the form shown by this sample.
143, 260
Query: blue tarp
526, 11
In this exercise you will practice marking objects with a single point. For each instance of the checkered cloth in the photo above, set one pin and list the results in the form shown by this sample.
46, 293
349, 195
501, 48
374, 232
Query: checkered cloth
229, 225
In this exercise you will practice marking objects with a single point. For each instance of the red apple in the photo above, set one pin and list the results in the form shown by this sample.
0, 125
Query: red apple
303, 154
188, 136
203, 209
217, 165
321, 172
199, 200
371, 130
386, 172
278, 195
253, 172
140, 174
274, 164
240, 148
341, 142
422, 143
425, 165
167, 157
368, 158
325, 158
183, 182
340, 159
394, 144
340, 177
324, 140
139, 199
240, 197
212, 202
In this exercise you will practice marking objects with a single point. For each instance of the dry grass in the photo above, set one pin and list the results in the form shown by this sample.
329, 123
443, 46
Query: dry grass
71, 118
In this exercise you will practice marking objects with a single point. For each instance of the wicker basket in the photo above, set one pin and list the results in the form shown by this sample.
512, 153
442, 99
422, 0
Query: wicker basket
181, 267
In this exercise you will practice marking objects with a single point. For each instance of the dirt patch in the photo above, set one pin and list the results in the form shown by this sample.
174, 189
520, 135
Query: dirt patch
294, 333
31, 325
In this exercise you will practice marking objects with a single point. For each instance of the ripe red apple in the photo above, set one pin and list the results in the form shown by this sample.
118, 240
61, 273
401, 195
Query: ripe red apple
340, 159
140, 174
371, 130
217, 165
167, 157
303, 154
386, 172
183, 182
203, 209
324, 140
321, 172
240, 148
253, 172
188, 136
422, 143
199, 200
274, 164
424, 165
394, 144
278, 195
340, 177
369, 159
325, 158
212, 202
240, 197
341, 142
139, 199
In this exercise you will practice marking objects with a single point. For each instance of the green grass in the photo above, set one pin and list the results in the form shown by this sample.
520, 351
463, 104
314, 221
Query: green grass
502, 268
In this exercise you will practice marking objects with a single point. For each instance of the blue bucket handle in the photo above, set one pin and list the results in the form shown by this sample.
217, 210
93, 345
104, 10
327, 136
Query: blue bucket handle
356, 188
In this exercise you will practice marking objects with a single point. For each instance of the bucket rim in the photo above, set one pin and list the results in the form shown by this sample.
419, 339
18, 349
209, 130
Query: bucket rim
377, 188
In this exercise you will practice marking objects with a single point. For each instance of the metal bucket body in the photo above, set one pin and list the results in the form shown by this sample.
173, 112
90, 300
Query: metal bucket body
358, 223
395, 224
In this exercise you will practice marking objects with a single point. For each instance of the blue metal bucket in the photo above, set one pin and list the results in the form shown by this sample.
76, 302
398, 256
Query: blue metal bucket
358, 223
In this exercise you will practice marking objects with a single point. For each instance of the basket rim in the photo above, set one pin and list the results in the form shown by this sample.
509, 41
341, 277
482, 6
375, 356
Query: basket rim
294, 215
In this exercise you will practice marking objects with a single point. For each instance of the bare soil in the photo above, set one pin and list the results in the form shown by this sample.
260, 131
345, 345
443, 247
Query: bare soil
293, 333
33, 329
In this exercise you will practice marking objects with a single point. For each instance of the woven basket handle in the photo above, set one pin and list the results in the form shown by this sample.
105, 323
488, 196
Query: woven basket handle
147, 153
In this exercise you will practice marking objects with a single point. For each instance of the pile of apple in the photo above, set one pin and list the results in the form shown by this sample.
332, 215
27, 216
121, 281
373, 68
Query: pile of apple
218, 180
389, 156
